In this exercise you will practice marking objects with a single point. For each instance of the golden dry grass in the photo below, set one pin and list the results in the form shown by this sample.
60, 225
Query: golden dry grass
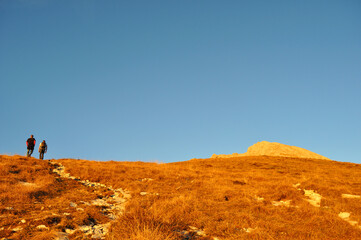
220, 197
30, 191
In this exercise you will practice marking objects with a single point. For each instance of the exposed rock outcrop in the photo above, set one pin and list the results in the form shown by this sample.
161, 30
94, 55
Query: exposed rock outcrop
274, 149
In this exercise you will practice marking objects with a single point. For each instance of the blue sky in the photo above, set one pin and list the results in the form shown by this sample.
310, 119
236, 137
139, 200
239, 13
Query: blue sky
173, 80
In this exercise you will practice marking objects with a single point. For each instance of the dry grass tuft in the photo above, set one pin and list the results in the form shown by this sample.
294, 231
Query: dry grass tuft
139, 224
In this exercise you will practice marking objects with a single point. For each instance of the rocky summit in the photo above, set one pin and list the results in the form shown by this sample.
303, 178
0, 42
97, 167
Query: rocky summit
274, 149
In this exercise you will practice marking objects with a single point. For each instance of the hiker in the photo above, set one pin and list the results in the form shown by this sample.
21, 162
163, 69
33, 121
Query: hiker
42, 149
31, 144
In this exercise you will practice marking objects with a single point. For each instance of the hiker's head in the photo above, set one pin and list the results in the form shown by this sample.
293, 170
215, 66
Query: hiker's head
31, 135
43, 140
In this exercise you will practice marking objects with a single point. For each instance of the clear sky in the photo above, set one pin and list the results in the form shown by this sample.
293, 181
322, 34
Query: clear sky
173, 80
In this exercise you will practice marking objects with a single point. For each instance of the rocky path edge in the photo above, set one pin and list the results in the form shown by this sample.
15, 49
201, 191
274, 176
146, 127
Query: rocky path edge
112, 206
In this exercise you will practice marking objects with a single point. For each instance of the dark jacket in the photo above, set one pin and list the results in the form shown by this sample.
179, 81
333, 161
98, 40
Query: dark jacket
31, 143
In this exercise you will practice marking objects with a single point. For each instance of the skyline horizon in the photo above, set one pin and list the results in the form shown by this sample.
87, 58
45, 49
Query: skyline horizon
171, 81
218, 155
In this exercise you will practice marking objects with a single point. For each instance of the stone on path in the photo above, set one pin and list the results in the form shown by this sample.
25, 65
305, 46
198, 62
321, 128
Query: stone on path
17, 229
42, 227
285, 203
346, 216
314, 198
350, 196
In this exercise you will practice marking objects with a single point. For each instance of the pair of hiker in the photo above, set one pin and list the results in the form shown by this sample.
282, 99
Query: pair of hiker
43, 147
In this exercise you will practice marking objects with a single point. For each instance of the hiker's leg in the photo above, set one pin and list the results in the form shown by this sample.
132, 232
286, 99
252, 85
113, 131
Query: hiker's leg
31, 152
27, 153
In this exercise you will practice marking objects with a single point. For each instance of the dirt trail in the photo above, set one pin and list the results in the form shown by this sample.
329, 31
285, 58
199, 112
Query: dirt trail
112, 206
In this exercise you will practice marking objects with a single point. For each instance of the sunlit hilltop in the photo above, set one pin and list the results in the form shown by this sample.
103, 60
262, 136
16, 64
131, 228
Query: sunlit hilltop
265, 148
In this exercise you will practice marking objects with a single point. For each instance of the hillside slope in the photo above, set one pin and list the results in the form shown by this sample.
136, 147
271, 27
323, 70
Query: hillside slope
234, 198
39, 201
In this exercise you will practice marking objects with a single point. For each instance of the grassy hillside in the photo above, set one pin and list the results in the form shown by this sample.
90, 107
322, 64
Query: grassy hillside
36, 204
233, 198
